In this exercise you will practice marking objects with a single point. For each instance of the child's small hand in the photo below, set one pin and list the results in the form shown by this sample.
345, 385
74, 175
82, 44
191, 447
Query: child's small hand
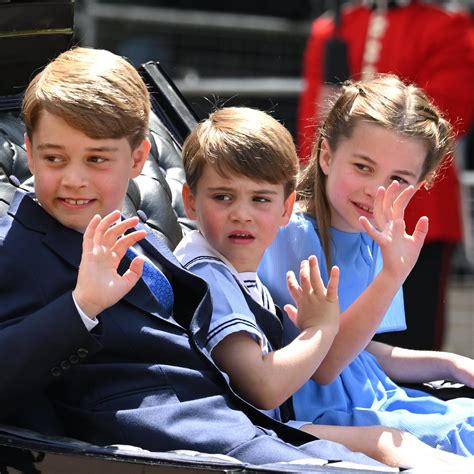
317, 306
99, 286
400, 250
461, 369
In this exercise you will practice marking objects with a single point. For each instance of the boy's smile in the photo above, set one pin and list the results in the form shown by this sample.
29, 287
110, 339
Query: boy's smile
239, 217
373, 156
77, 176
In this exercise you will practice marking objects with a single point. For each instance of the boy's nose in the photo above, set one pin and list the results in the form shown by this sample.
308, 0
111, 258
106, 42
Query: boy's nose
73, 176
240, 213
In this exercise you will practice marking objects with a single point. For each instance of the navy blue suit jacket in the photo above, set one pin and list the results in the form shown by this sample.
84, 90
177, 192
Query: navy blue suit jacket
140, 377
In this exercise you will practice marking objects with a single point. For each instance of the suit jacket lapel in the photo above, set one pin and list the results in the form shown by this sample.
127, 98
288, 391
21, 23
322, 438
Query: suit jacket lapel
154, 246
190, 290
66, 243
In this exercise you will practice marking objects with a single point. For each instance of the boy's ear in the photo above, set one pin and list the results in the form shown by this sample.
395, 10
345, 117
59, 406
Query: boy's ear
29, 154
189, 201
139, 156
325, 156
288, 209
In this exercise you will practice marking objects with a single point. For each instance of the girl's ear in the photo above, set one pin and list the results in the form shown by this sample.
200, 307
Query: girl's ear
325, 155
189, 201
288, 209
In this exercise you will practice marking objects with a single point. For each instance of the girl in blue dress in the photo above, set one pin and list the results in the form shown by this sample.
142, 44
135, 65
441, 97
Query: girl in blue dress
381, 141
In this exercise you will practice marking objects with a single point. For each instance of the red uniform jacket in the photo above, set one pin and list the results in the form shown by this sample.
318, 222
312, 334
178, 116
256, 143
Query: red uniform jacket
422, 44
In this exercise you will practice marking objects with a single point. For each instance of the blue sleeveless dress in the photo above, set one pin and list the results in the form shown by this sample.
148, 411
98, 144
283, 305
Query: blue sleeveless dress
362, 394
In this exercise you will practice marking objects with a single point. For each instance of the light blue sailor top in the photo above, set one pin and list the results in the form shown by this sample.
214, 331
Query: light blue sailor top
231, 312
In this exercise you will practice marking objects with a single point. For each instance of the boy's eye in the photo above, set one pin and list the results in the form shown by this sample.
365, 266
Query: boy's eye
221, 197
261, 199
362, 166
52, 158
97, 159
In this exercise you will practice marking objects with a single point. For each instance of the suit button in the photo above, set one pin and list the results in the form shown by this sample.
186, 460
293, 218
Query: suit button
73, 358
82, 353
65, 365
56, 372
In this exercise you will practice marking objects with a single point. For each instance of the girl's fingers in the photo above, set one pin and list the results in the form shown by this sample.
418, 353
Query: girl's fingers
398, 230
421, 230
390, 197
369, 228
402, 200
378, 210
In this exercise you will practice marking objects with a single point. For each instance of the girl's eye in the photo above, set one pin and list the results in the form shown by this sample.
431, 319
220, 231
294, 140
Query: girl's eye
399, 179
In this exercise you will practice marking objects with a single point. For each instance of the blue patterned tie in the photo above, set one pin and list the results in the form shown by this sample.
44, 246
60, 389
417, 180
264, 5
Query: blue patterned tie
156, 281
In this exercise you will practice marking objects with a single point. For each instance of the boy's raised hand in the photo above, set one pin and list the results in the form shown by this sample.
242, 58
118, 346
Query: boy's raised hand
400, 250
316, 304
99, 285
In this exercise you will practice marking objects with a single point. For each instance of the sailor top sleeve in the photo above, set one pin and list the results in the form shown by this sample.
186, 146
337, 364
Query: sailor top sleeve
230, 313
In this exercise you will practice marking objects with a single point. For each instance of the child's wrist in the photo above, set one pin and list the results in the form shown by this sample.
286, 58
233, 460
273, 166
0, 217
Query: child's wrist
90, 310
390, 277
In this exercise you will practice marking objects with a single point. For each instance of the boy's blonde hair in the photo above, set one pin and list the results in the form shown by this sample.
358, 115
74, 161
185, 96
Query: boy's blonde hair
242, 141
386, 101
94, 91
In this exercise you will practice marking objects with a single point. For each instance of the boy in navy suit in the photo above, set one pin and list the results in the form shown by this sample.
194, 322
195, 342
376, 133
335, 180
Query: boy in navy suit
98, 348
